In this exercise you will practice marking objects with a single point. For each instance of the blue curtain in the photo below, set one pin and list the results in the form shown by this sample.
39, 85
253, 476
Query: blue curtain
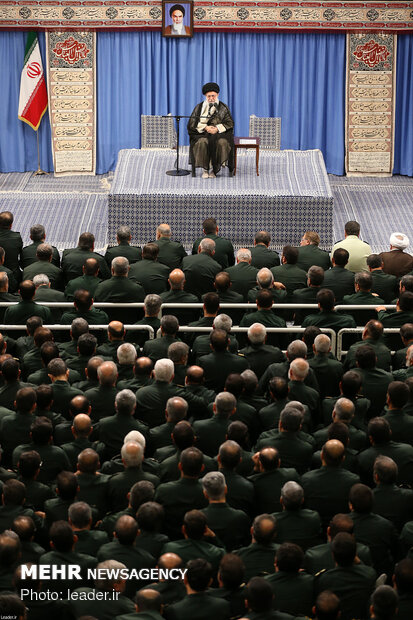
298, 76
18, 146
403, 143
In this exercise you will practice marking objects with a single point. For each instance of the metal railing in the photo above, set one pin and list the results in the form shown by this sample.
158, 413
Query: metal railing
357, 330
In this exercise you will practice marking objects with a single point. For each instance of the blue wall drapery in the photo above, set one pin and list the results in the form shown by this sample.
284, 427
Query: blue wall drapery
298, 76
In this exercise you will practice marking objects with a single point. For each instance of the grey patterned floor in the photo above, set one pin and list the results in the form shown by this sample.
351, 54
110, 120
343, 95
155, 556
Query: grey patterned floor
69, 205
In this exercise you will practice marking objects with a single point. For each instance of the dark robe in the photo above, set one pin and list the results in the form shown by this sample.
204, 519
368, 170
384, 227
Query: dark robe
215, 148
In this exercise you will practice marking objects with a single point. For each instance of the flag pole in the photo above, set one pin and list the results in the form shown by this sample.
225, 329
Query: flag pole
39, 170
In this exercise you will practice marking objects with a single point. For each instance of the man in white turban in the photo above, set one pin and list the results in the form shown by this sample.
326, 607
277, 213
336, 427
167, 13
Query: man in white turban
397, 262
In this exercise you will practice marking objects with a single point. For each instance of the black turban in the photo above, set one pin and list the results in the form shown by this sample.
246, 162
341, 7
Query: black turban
210, 87
177, 7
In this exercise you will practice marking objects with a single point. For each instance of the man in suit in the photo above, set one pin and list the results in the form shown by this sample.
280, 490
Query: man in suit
309, 253
397, 262
171, 252
11, 242
124, 248
243, 275
74, 258
224, 250
358, 250
38, 236
149, 272
200, 269
261, 255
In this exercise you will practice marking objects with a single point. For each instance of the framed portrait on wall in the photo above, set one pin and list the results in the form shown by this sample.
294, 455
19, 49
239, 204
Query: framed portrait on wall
177, 19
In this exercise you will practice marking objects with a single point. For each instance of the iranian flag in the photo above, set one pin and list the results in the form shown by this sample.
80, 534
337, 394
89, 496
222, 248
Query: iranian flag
33, 93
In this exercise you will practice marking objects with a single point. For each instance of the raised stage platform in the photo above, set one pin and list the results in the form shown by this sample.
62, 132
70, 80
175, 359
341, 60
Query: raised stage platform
291, 195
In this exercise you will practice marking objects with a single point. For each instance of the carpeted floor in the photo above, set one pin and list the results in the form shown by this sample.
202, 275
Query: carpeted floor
70, 205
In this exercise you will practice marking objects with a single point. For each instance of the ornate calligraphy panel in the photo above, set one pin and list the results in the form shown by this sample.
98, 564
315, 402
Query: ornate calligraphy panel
72, 101
371, 73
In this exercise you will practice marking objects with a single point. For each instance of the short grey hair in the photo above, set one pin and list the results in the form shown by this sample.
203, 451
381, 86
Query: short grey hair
177, 351
292, 494
108, 565
125, 401
225, 402
79, 326
300, 368
80, 513
126, 353
214, 485
113, 371
120, 266
265, 278
344, 409
322, 343
152, 304
132, 454
257, 333
296, 348
135, 436
124, 233
163, 370
40, 279
164, 230
177, 405
223, 321
207, 245
243, 254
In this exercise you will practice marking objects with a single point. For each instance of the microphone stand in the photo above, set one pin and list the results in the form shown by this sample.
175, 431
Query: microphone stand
179, 172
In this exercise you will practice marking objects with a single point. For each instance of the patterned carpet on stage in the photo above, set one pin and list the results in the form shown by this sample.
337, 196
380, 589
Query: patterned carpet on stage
73, 204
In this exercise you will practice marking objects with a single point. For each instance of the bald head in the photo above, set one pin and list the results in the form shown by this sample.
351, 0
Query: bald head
132, 454
343, 410
177, 279
163, 230
82, 425
257, 333
143, 366
299, 369
107, 373
332, 453
194, 375
79, 404
116, 330
207, 246
88, 461
176, 409
169, 561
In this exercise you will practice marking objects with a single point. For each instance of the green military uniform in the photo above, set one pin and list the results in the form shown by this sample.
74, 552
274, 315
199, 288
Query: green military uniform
350, 460
151, 274
18, 314
406, 538
132, 557
119, 289
279, 296
54, 460
361, 405
375, 382
62, 395
243, 277
8, 393
384, 284
73, 448
131, 252
211, 433
180, 297
224, 250
102, 401
56, 510
140, 337
293, 592
202, 346
294, 451
37, 493
291, 276
113, 429
363, 298
44, 293
92, 489
353, 585
54, 273
258, 559
177, 497
326, 490
171, 253
328, 372
87, 283
218, 365
270, 414
13, 283
157, 348
9, 297
151, 401
161, 435
29, 255
73, 260
231, 526
309, 255
320, 558
168, 468
260, 356
267, 318
339, 280
152, 542
109, 521
306, 395
120, 484
329, 319
383, 354
401, 453
304, 296
401, 425
380, 536
267, 487
262, 256
199, 606
106, 609
302, 527
11, 242
189, 549
281, 369
90, 541
82, 560
94, 316
200, 271
15, 430
393, 503
240, 492
394, 319
357, 438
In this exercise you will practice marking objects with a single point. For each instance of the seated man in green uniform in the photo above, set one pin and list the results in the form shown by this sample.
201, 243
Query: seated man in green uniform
224, 250
123, 237
309, 253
